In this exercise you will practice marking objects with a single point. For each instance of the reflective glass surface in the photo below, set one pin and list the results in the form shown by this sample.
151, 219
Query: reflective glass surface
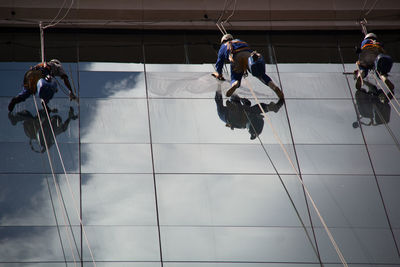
164, 170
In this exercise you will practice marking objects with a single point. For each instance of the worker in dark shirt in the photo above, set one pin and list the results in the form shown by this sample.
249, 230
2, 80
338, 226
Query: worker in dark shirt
41, 79
372, 56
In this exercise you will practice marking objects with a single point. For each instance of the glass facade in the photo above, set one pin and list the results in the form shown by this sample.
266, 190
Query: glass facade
164, 170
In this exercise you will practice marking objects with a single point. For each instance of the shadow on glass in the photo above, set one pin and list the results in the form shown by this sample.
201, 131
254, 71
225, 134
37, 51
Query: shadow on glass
33, 130
239, 113
372, 111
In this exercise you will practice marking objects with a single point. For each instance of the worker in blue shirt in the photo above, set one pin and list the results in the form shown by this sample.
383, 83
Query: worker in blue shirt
372, 56
242, 59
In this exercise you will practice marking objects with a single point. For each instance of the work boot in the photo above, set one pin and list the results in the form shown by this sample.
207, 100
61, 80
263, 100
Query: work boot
359, 79
388, 83
235, 85
276, 89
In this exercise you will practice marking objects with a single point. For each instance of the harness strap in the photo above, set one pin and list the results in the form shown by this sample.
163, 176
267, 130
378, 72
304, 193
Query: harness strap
370, 46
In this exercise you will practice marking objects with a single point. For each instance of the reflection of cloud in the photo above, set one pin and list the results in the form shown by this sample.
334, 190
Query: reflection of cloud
123, 199
31, 232
37, 212
182, 84
33, 244
122, 87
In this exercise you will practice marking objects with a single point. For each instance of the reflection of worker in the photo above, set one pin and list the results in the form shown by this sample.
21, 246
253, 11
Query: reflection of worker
32, 126
371, 109
238, 113
372, 56
40, 79
242, 59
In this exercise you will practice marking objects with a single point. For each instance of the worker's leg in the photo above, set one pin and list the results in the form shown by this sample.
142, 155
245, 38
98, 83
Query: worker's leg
257, 69
46, 89
22, 96
383, 65
362, 72
235, 82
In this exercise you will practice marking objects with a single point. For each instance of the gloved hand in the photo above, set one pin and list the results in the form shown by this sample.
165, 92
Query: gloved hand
218, 76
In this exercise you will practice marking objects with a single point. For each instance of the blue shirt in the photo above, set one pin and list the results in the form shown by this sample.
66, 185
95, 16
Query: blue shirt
228, 48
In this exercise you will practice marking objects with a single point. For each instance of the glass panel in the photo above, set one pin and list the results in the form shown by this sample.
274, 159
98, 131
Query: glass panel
390, 191
126, 199
314, 85
332, 125
359, 245
247, 200
122, 243
346, 201
220, 158
385, 159
33, 244
32, 200
333, 159
114, 121
245, 244
111, 84
116, 158
32, 158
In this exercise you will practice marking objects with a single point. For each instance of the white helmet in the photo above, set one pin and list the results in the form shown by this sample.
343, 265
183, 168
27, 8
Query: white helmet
56, 61
226, 37
371, 36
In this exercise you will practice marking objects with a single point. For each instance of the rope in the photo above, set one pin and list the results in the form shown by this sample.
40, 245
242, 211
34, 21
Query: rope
363, 24
66, 13
339, 253
372, 7
41, 41
233, 11
220, 23
59, 11
58, 191
363, 21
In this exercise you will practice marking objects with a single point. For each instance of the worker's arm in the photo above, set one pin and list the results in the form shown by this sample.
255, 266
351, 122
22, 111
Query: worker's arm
67, 83
220, 62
